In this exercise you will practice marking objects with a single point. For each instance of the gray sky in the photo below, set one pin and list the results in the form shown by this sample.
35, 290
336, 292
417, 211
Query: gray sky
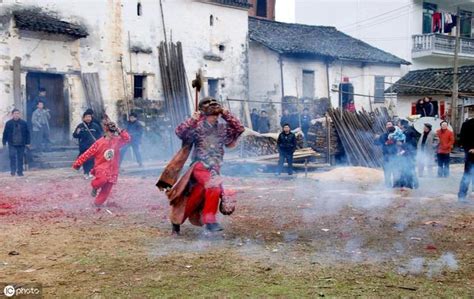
285, 11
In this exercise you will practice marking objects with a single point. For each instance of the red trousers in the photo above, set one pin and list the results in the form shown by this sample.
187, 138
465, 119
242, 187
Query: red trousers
204, 194
105, 187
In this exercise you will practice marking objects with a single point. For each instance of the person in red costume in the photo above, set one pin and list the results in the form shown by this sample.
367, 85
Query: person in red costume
106, 152
209, 130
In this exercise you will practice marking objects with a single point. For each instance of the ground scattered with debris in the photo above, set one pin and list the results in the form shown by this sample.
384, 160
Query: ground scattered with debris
335, 233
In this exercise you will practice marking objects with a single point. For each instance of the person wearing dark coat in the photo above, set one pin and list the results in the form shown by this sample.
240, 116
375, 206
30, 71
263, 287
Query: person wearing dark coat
286, 146
428, 107
286, 118
96, 121
419, 108
17, 135
87, 133
410, 146
389, 151
467, 142
135, 129
263, 123
254, 119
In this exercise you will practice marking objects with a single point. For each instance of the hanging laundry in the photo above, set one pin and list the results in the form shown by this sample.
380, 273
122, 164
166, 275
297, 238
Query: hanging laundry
448, 22
436, 22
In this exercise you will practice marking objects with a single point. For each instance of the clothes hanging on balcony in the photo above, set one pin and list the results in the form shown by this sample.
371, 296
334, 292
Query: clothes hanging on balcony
449, 23
437, 16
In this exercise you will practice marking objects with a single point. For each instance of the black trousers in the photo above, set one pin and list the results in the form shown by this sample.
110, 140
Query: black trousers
136, 152
288, 156
443, 165
17, 155
467, 178
88, 165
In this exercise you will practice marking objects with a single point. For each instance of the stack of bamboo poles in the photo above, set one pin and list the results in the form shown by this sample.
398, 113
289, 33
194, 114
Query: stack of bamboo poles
173, 78
255, 144
357, 131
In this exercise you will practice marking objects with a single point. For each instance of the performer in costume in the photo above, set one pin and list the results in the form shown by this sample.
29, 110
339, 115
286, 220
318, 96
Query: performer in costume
197, 193
106, 153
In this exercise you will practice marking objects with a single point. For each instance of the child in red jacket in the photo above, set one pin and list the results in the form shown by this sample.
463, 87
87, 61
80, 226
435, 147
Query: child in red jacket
106, 153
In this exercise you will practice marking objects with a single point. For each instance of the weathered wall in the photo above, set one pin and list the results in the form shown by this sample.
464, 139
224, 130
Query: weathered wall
265, 76
113, 25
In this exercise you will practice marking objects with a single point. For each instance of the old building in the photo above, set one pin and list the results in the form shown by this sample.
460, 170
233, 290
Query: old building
306, 61
419, 31
436, 84
110, 47
262, 9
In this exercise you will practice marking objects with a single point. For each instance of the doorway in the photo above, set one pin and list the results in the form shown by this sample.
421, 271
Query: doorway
55, 102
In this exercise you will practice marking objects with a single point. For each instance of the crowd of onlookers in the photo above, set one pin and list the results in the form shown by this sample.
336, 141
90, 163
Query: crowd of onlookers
21, 135
261, 122
405, 151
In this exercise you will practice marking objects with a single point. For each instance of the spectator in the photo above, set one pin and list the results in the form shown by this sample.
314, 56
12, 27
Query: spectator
41, 97
426, 153
389, 151
40, 124
17, 136
254, 119
285, 118
410, 145
96, 120
446, 142
305, 121
286, 146
263, 123
135, 129
428, 107
87, 132
419, 108
467, 142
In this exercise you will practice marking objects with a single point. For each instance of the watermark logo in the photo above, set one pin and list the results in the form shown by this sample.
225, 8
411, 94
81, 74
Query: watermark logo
9, 291
13, 290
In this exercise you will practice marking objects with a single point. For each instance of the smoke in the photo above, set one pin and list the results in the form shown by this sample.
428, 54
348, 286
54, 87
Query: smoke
430, 267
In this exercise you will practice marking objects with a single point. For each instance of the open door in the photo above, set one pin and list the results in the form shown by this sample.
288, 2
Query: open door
55, 102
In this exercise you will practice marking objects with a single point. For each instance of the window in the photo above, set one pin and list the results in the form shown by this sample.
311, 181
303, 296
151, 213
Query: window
139, 9
213, 86
262, 8
308, 84
428, 10
379, 88
466, 26
139, 86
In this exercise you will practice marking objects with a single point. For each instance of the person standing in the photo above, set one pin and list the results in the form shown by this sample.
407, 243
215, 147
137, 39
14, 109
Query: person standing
41, 97
95, 120
285, 118
135, 129
467, 142
410, 145
428, 107
286, 146
17, 135
254, 119
305, 120
446, 142
106, 154
389, 151
425, 154
263, 123
87, 133
40, 123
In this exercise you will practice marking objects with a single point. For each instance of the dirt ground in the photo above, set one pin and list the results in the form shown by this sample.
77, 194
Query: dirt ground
335, 233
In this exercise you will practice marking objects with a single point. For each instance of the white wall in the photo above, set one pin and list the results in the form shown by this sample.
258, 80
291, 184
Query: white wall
110, 23
385, 24
265, 76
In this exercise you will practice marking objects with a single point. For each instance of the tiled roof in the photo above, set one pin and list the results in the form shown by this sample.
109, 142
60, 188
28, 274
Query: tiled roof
36, 20
237, 3
322, 41
435, 81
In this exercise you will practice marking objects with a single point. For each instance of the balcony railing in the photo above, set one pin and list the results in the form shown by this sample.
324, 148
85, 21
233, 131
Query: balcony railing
441, 44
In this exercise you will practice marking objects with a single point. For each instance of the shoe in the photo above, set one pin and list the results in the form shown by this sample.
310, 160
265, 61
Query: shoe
175, 229
140, 165
20, 174
12, 173
214, 227
86, 177
94, 192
